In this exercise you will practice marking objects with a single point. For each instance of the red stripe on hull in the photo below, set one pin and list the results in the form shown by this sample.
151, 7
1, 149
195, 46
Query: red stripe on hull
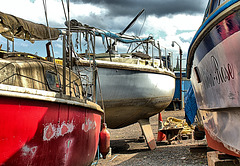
46, 133
218, 145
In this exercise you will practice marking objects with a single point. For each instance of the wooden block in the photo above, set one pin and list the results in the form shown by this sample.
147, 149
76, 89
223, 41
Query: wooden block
213, 160
147, 132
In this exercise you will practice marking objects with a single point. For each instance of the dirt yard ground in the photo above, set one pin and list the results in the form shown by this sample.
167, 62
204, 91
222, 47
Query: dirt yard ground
128, 151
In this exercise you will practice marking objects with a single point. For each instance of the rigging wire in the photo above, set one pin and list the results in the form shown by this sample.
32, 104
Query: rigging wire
100, 92
143, 23
64, 10
49, 33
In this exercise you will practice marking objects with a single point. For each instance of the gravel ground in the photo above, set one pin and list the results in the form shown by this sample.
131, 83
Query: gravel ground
128, 151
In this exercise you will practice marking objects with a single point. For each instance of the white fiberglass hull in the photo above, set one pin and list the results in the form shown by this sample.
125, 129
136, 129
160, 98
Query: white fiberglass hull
215, 76
133, 92
132, 95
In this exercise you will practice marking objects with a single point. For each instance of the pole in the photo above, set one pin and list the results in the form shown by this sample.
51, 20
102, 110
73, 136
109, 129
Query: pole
13, 46
180, 53
94, 73
132, 22
166, 58
8, 48
64, 64
69, 47
160, 55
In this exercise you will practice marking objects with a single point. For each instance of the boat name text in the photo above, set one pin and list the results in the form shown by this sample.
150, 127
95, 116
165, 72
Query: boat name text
219, 73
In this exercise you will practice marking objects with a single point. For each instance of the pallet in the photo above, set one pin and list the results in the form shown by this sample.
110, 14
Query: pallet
216, 158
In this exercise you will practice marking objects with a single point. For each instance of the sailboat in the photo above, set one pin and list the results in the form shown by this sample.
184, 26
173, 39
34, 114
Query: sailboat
133, 85
213, 65
45, 117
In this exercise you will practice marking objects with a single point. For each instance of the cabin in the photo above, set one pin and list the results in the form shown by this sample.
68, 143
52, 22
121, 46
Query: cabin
29, 71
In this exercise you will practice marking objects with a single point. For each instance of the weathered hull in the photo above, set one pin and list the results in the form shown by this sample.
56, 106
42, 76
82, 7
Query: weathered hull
215, 78
130, 95
222, 130
38, 132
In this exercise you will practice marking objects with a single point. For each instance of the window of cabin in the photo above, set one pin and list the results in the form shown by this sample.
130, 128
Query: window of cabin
197, 74
53, 81
76, 89
215, 4
207, 11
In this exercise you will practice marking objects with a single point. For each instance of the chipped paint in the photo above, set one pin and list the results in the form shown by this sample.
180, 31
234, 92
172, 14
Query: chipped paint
68, 145
51, 131
64, 129
88, 125
29, 151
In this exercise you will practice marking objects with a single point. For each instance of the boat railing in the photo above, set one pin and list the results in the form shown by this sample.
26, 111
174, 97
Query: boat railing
83, 46
147, 45
86, 85
79, 33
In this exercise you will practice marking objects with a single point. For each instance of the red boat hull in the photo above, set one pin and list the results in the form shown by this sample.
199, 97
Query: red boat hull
217, 145
47, 133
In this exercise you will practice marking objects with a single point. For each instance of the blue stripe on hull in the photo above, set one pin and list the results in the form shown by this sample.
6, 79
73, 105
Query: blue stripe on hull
220, 32
211, 17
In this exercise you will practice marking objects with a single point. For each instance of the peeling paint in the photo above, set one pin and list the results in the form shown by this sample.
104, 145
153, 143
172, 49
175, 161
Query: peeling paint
51, 131
88, 125
29, 151
64, 129
68, 145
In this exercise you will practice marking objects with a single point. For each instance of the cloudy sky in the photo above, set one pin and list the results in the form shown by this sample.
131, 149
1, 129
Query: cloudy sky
167, 21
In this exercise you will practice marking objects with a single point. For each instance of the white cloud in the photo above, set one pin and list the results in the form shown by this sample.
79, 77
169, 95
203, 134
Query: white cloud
78, 10
180, 28
174, 28
34, 11
24, 9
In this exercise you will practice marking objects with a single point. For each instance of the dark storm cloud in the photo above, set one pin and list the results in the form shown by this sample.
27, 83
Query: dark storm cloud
152, 7
121, 12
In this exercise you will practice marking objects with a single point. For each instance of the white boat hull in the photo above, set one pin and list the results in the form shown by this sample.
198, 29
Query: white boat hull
218, 96
132, 95
215, 77
132, 92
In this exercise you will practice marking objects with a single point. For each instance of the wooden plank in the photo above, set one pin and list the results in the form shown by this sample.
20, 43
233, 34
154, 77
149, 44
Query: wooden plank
147, 132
